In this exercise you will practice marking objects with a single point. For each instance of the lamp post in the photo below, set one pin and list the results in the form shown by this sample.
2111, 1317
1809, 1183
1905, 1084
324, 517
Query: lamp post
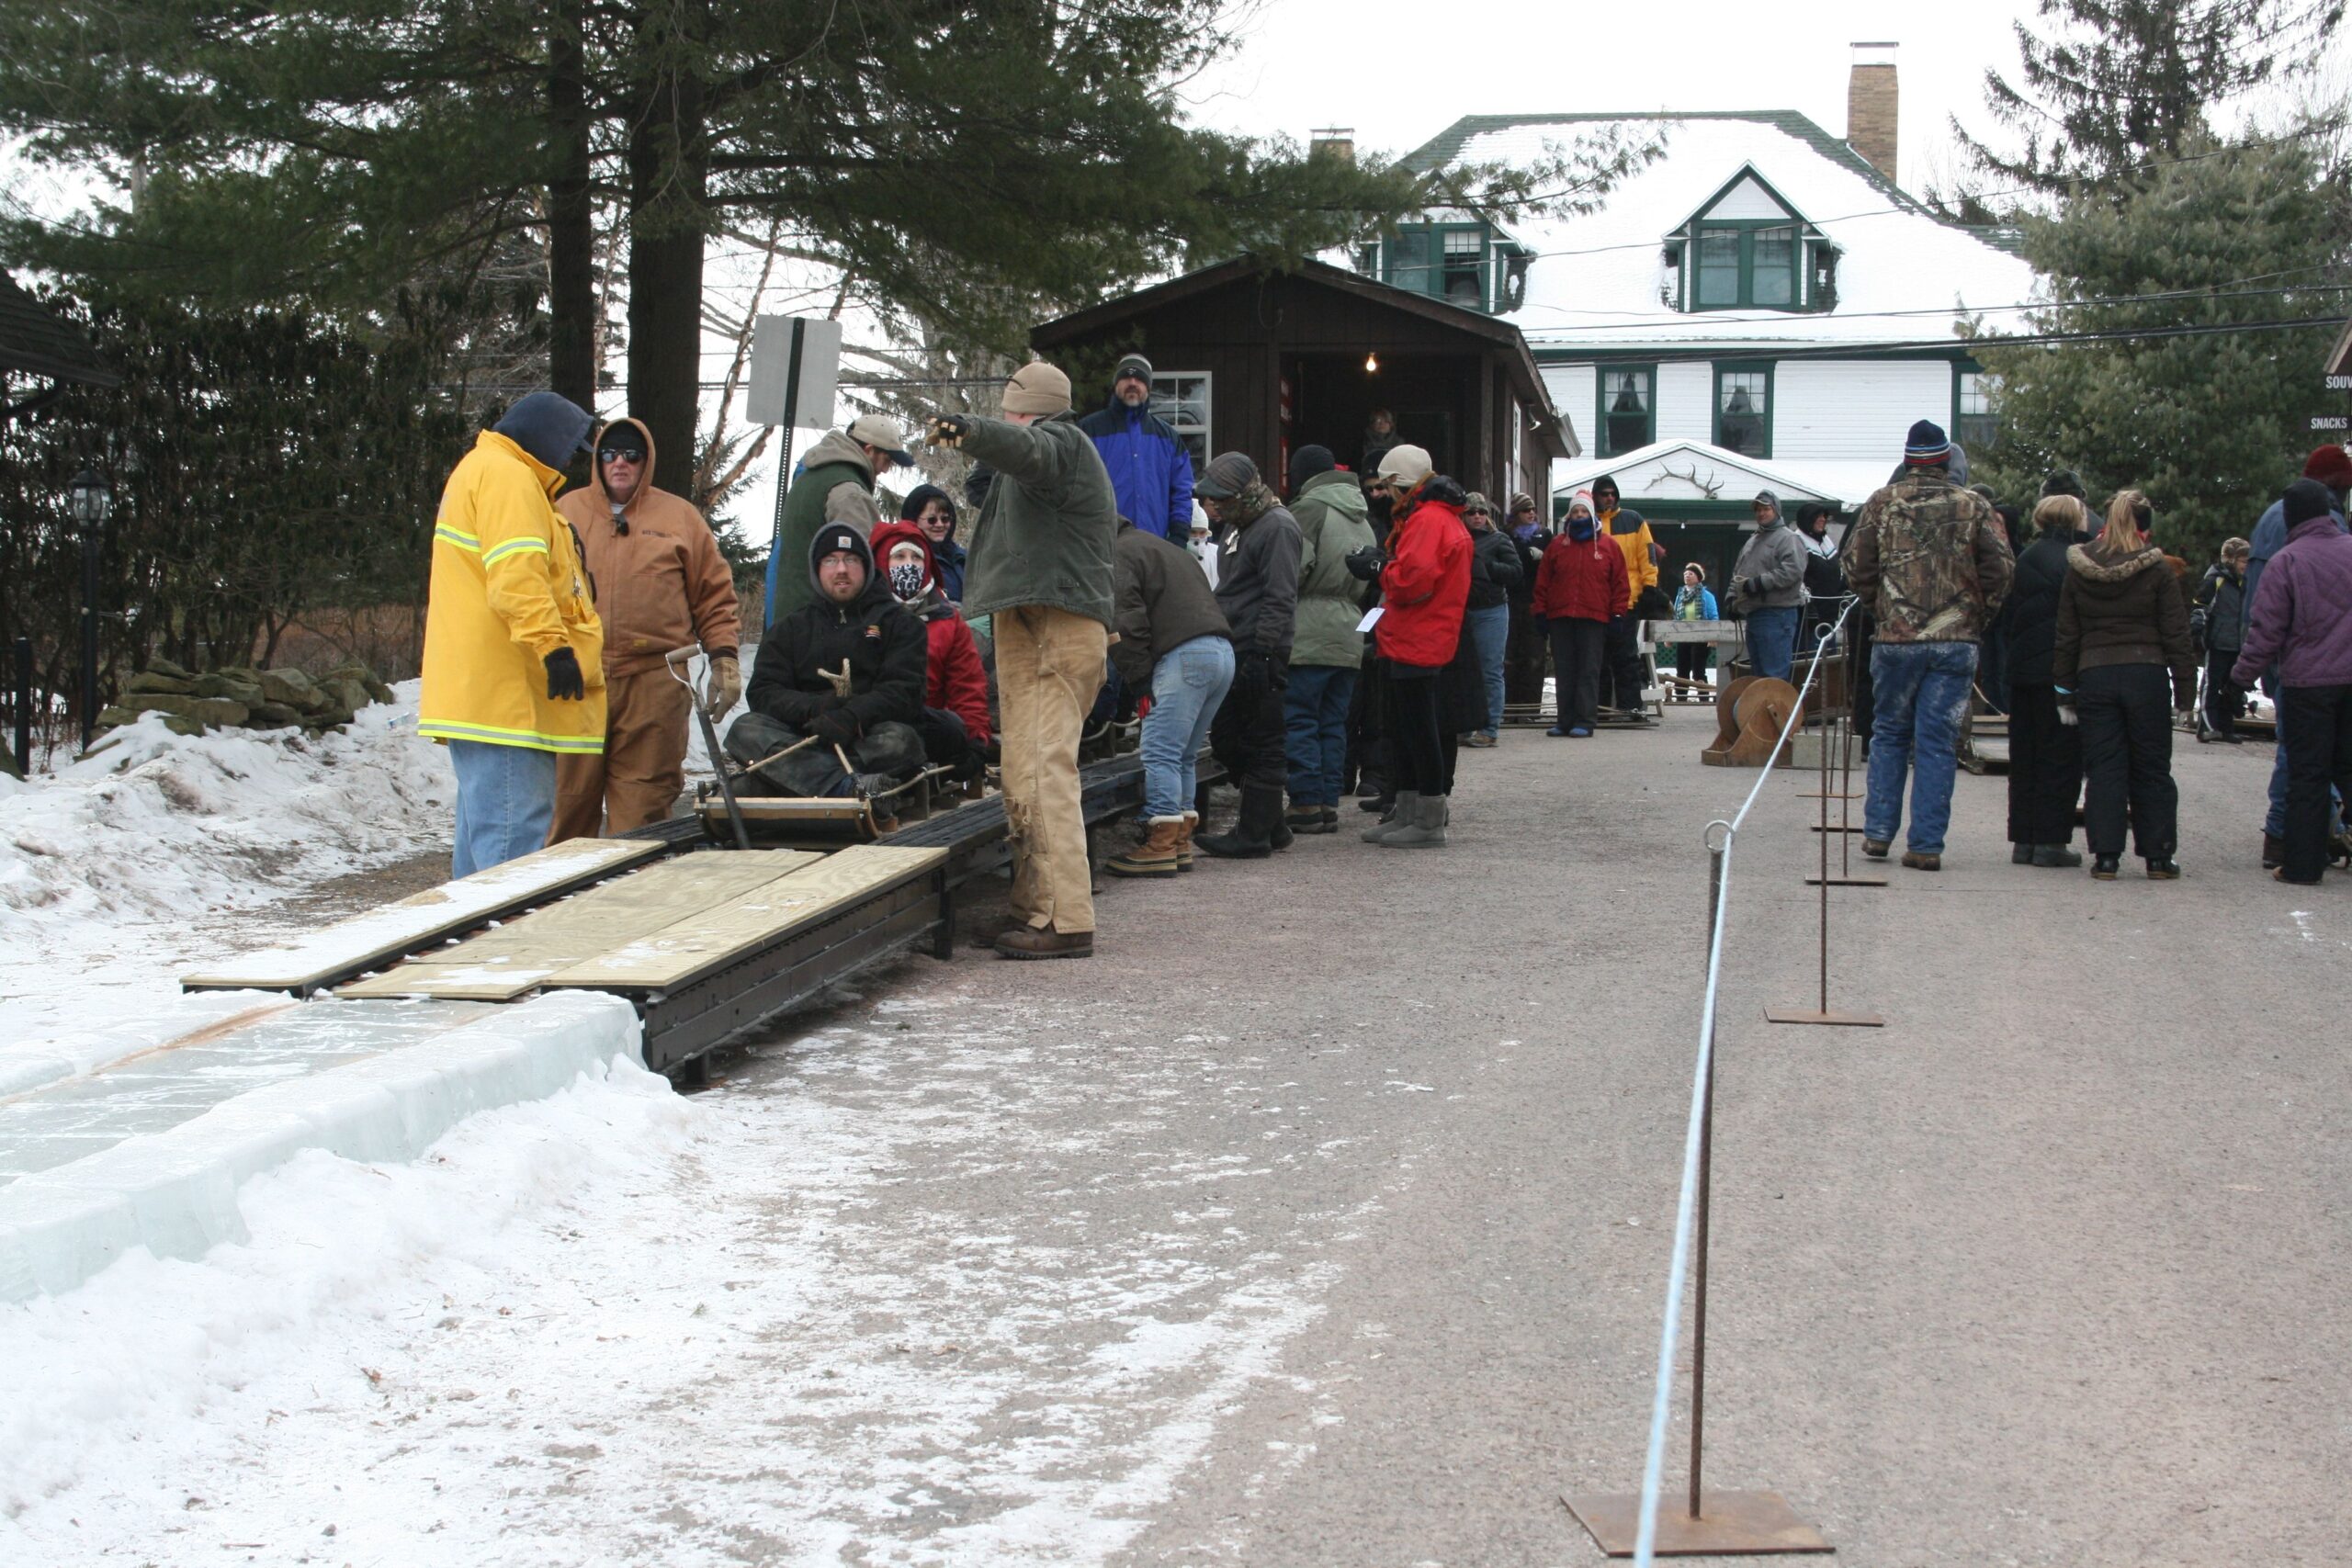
89, 500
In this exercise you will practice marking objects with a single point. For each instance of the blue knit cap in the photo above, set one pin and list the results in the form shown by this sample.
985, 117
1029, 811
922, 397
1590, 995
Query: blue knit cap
1927, 445
547, 426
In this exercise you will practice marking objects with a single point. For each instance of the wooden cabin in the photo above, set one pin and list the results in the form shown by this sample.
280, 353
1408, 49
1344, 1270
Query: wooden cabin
1253, 357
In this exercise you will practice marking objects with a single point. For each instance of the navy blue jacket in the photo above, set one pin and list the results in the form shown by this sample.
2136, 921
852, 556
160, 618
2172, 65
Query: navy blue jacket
1150, 468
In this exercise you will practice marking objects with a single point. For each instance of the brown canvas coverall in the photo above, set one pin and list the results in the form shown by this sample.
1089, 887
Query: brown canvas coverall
661, 585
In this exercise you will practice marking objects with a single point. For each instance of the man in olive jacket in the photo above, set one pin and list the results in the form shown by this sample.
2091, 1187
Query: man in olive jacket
1039, 567
1327, 651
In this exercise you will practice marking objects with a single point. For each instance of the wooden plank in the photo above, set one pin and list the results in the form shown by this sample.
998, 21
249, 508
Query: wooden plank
717, 936
499, 965
370, 940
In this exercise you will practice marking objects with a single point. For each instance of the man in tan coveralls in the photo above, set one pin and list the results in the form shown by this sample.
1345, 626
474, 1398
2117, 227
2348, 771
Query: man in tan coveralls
661, 583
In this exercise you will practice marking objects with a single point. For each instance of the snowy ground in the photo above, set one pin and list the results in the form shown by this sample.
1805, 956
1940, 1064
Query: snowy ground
162, 849
861, 1309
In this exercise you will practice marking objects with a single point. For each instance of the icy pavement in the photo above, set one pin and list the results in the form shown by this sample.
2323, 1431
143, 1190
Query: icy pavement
875, 1302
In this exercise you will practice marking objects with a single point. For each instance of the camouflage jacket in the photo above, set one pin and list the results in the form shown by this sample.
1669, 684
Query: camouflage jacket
1928, 561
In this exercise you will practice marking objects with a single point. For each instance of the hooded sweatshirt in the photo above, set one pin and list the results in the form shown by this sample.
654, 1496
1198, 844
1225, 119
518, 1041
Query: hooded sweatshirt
1770, 568
835, 485
661, 583
947, 555
956, 680
878, 641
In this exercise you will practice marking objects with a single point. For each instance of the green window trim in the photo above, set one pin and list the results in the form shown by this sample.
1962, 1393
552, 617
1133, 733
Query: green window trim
1602, 392
1972, 428
1427, 270
1744, 239
1746, 370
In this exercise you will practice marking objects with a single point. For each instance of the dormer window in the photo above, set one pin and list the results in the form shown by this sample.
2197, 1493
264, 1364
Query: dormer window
1749, 251
1463, 263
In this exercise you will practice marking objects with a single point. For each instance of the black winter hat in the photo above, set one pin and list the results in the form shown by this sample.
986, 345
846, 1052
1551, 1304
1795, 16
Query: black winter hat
1307, 462
1227, 474
1927, 445
1132, 365
2064, 481
2306, 499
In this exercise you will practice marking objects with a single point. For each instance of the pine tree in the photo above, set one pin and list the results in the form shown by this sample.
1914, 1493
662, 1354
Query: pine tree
2115, 84
2210, 427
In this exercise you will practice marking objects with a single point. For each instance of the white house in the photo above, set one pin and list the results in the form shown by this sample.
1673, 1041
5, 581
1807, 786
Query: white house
1759, 308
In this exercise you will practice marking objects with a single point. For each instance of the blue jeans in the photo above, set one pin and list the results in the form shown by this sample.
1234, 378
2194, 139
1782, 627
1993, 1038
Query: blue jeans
1772, 641
505, 803
1490, 634
1315, 713
1187, 684
1922, 700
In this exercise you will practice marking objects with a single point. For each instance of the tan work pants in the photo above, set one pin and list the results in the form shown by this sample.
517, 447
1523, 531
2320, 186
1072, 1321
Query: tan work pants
644, 764
1048, 668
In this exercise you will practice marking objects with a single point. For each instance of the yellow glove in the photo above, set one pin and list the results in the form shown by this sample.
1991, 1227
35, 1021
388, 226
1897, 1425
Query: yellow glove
722, 688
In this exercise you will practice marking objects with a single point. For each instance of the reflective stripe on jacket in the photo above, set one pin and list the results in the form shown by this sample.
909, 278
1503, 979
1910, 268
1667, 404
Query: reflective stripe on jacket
507, 590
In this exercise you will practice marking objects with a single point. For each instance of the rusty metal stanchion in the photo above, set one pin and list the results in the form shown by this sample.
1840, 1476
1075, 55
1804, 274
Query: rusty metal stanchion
1820, 1013
1842, 733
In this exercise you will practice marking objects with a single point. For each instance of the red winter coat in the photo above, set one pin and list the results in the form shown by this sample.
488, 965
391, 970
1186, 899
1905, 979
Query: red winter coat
956, 680
1583, 581
1426, 580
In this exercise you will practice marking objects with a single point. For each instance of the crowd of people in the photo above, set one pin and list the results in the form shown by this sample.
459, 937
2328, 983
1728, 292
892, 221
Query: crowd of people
1350, 635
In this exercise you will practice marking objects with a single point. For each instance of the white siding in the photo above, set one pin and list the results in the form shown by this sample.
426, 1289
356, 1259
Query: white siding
1686, 395
1855, 410
1747, 199
1573, 393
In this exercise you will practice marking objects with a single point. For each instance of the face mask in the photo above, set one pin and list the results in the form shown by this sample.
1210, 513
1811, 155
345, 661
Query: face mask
906, 581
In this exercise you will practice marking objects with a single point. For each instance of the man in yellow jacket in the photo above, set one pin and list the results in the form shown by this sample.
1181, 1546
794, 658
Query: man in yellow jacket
514, 652
1622, 676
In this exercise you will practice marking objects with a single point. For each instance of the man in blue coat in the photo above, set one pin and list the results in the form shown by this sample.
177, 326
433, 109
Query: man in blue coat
1149, 467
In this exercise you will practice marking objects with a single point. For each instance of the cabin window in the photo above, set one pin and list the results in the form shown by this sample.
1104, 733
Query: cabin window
1744, 409
1973, 424
1628, 411
1452, 262
1755, 267
1182, 398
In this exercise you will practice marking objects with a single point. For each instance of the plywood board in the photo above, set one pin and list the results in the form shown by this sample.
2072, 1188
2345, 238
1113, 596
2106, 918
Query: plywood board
365, 941
501, 964
716, 936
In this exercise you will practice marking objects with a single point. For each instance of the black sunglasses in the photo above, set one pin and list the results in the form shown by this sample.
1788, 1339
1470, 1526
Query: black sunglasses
621, 453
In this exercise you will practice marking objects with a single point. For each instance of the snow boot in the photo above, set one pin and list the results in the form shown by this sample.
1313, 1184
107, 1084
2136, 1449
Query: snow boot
1184, 841
1310, 819
1402, 816
2056, 856
1252, 837
1426, 830
1156, 856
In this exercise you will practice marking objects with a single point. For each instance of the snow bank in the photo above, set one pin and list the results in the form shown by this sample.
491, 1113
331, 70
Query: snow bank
158, 825
176, 1193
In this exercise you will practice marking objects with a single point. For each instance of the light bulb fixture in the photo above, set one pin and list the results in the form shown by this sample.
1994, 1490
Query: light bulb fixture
1371, 365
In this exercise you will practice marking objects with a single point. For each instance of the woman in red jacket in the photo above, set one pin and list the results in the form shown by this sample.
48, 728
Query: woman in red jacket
1579, 586
1423, 590
956, 727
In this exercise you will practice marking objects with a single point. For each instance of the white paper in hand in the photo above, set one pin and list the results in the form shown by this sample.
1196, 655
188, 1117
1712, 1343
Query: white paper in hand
1372, 617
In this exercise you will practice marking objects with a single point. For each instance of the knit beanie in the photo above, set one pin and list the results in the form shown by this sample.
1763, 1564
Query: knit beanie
1926, 445
554, 429
2307, 498
1475, 501
1037, 388
1307, 462
2065, 481
2330, 465
1134, 365
1406, 466
1227, 474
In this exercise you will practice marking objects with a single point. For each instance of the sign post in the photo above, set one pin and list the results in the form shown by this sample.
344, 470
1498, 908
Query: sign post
796, 364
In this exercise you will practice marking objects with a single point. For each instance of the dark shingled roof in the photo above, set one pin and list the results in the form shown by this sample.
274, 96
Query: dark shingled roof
1447, 144
38, 343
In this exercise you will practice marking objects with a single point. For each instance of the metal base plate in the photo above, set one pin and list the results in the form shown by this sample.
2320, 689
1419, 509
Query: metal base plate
1833, 828
1730, 1524
1807, 1015
1848, 882
1833, 794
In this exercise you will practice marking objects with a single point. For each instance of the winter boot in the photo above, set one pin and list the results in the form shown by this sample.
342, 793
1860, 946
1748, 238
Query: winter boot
2056, 856
1184, 841
1278, 833
1427, 828
1156, 856
1252, 837
1402, 816
1310, 819
2023, 854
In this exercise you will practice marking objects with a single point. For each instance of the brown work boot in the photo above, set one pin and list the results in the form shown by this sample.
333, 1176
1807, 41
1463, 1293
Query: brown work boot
1043, 942
1919, 861
1156, 856
1184, 841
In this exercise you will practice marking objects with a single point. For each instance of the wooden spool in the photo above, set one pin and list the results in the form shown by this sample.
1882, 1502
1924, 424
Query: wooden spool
1749, 716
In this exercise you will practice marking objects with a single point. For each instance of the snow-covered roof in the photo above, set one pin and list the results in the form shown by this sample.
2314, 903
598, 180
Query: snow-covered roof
1904, 274
1694, 470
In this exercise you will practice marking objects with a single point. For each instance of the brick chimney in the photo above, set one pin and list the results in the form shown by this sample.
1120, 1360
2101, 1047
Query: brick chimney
1339, 141
1870, 105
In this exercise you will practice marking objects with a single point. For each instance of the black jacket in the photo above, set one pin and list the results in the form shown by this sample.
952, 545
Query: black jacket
1163, 602
1256, 581
1495, 570
2033, 606
1530, 560
883, 643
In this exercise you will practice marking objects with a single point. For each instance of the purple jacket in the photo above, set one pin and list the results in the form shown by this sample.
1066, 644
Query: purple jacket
2302, 611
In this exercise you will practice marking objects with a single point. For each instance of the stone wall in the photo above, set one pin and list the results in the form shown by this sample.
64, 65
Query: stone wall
246, 698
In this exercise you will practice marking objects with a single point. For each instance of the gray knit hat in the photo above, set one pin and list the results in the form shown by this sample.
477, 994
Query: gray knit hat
1227, 474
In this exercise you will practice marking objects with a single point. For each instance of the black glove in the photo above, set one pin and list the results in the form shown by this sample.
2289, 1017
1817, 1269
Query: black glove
948, 430
835, 726
565, 684
1364, 564
1278, 670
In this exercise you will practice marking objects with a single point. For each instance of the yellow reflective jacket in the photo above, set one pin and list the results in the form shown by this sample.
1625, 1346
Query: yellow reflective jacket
508, 590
